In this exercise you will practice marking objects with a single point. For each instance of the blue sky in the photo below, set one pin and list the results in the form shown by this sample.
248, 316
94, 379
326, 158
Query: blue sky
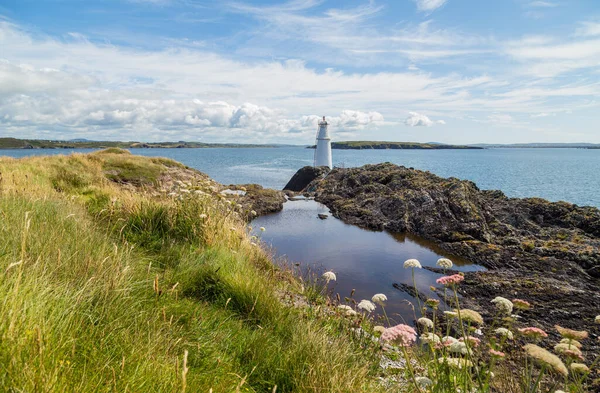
454, 71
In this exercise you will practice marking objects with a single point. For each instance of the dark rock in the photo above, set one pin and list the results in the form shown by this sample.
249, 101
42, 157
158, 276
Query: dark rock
304, 177
537, 250
322, 216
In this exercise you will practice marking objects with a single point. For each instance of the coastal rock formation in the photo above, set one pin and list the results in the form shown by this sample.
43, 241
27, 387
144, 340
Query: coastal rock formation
304, 177
545, 251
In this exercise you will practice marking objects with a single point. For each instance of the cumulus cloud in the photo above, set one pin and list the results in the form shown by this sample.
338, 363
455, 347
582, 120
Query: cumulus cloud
418, 120
429, 5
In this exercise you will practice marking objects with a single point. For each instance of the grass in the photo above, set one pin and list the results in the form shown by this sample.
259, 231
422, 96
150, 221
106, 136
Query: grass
108, 288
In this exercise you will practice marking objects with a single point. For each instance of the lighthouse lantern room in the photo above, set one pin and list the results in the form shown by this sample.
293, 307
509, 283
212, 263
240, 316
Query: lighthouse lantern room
323, 146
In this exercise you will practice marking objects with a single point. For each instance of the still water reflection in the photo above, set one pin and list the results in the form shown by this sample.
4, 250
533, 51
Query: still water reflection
369, 262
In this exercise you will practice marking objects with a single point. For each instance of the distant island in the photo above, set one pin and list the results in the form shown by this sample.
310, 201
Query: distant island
539, 145
14, 143
360, 145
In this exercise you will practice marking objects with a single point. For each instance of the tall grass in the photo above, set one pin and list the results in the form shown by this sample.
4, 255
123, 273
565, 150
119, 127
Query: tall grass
109, 289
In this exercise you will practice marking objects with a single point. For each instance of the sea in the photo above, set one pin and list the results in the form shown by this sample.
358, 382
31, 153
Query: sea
571, 175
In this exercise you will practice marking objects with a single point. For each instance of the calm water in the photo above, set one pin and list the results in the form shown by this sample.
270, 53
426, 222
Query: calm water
370, 262
571, 175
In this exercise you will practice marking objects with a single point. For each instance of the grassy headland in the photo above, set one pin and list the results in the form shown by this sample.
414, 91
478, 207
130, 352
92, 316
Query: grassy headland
14, 143
124, 273
359, 145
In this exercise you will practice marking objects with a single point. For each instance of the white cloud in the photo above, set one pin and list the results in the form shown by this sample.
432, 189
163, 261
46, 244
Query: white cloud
501, 118
588, 29
429, 5
418, 120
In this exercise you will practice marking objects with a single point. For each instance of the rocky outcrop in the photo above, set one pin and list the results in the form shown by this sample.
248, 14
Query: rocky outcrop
544, 251
304, 177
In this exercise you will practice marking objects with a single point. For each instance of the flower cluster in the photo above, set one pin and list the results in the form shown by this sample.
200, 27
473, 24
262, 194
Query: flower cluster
533, 332
450, 280
444, 263
504, 305
412, 263
402, 335
379, 298
329, 276
366, 305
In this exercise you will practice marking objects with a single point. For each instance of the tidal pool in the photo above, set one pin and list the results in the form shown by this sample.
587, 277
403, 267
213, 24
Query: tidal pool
368, 262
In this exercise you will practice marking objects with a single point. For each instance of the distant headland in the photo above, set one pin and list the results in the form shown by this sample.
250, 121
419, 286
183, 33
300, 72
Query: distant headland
14, 143
360, 145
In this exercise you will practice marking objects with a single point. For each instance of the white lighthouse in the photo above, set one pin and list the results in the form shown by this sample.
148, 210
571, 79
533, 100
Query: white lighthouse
323, 149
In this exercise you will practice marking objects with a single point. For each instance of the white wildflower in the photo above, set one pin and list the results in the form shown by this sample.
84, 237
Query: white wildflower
203, 216
423, 382
366, 305
449, 340
459, 347
597, 319
504, 332
430, 338
253, 212
262, 229
503, 304
329, 276
344, 307
379, 298
426, 322
412, 263
378, 329
444, 263
451, 314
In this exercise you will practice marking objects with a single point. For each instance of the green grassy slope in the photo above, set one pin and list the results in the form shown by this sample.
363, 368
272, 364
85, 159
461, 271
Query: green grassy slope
129, 274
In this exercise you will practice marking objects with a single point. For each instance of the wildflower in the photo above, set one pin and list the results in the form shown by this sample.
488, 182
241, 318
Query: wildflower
478, 332
262, 229
252, 212
378, 329
503, 305
350, 313
379, 298
232, 228
521, 304
203, 216
402, 335
562, 348
573, 334
430, 338
344, 307
497, 354
450, 314
546, 358
473, 341
533, 332
423, 382
366, 305
448, 340
579, 368
450, 280
444, 263
574, 343
412, 263
471, 316
425, 322
597, 319
433, 303
459, 347
504, 332
458, 363
329, 276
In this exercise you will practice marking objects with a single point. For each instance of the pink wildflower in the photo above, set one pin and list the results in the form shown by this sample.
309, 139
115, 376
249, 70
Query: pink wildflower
474, 341
573, 354
497, 354
533, 332
450, 280
403, 335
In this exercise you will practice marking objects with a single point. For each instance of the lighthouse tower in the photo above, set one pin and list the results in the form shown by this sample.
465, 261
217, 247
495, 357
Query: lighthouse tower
323, 149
